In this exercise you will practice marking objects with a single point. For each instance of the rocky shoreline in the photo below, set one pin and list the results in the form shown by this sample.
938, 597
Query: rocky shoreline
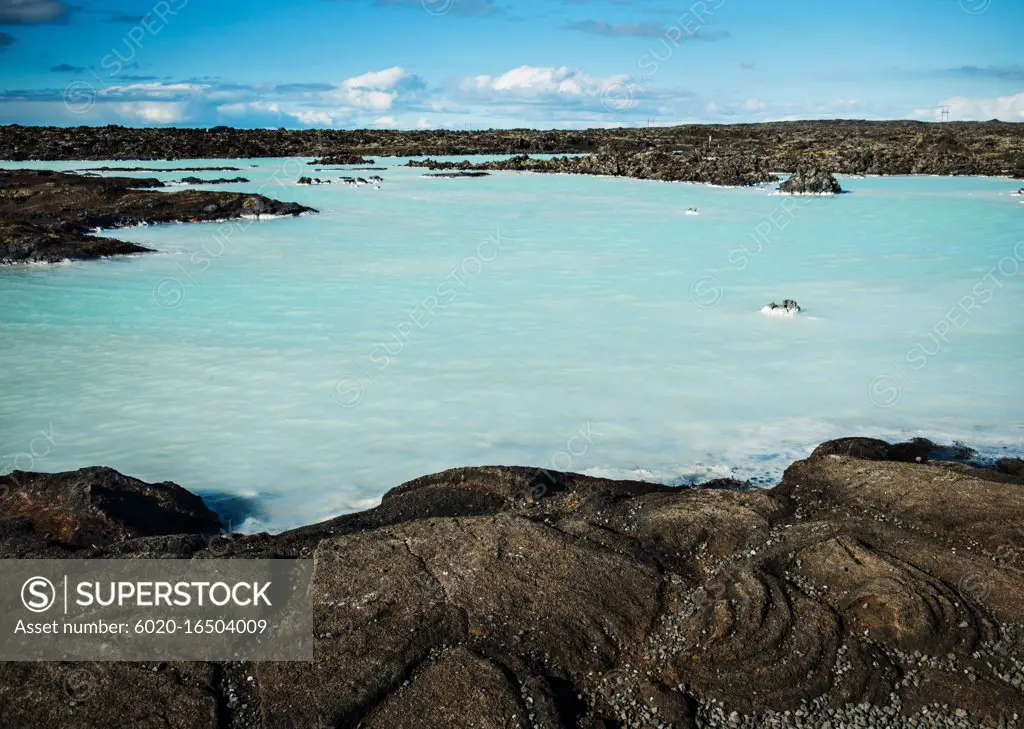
48, 217
874, 586
734, 171
846, 147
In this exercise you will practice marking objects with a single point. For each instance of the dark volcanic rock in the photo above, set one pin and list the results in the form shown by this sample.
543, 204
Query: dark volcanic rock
789, 307
342, 158
1011, 466
98, 506
858, 592
843, 146
647, 165
21, 242
218, 181
50, 216
726, 484
810, 181
915, 450
161, 169
457, 174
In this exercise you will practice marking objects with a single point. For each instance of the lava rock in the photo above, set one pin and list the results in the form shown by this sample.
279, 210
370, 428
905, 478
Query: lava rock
97, 506
1011, 466
852, 147
857, 592
734, 171
218, 181
51, 216
916, 450
342, 158
811, 181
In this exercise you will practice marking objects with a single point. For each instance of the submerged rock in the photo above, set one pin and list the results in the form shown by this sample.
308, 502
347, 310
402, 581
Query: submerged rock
811, 181
857, 592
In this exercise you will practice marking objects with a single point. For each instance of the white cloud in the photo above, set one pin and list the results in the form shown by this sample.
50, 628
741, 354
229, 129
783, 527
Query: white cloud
389, 78
754, 105
313, 118
249, 107
423, 124
153, 112
961, 108
155, 90
534, 81
385, 121
376, 90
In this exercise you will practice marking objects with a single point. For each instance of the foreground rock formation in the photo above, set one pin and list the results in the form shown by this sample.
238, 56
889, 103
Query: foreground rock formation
51, 216
872, 587
843, 146
734, 171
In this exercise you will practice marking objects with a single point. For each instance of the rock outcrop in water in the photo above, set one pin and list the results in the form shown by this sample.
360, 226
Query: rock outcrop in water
342, 158
218, 181
861, 591
51, 216
788, 307
736, 171
810, 181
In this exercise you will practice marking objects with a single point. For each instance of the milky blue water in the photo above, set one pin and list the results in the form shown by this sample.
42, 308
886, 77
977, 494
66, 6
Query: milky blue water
307, 365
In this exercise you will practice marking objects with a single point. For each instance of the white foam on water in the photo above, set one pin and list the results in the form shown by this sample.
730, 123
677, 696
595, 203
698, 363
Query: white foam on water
779, 311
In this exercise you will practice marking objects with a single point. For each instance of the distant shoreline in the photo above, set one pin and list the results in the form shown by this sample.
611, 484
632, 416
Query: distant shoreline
839, 146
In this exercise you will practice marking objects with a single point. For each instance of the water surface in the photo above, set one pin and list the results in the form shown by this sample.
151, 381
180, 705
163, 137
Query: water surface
308, 365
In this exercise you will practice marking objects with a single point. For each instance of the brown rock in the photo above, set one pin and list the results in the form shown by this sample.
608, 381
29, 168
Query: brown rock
97, 506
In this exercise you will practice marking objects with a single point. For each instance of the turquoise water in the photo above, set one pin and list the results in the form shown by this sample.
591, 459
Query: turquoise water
308, 365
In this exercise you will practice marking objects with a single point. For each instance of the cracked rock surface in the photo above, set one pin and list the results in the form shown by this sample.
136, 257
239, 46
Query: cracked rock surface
874, 586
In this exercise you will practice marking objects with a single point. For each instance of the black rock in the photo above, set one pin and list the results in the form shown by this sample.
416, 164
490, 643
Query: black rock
342, 158
219, 181
811, 181
51, 216
788, 306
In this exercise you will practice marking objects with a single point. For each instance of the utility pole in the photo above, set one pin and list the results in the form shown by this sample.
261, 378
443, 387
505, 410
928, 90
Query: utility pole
945, 114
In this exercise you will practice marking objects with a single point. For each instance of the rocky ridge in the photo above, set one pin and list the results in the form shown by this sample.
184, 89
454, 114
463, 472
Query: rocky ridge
873, 586
736, 171
848, 147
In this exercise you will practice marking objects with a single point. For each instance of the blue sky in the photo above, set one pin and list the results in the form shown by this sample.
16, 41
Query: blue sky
506, 63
